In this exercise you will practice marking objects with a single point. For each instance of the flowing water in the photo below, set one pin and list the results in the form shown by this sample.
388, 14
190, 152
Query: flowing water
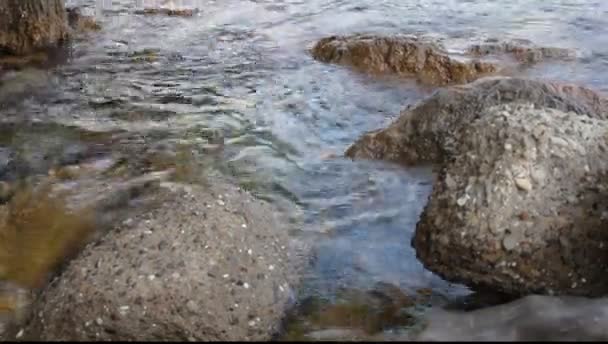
242, 66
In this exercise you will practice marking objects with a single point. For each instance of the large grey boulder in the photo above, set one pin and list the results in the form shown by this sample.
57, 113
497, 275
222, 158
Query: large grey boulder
521, 208
428, 132
212, 263
518, 205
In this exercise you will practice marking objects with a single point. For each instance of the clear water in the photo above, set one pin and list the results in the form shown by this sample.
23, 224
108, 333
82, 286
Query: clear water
242, 66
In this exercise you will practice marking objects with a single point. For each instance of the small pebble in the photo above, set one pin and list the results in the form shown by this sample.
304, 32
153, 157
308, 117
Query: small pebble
226, 276
462, 200
271, 267
99, 321
244, 225
523, 184
20, 334
192, 307
151, 277
524, 216
246, 286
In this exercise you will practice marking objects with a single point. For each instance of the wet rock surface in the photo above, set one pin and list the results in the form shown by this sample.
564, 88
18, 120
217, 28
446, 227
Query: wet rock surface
80, 23
532, 318
520, 208
62, 187
168, 12
401, 55
40, 55
524, 51
44, 26
517, 206
210, 264
429, 131
354, 315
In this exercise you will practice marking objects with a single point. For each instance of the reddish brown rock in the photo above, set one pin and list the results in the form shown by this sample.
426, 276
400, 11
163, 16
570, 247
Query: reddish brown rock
523, 51
30, 25
402, 55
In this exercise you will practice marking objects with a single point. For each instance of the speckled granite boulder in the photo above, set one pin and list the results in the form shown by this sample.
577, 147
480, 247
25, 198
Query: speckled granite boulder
212, 263
429, 131
519, 203
521, 209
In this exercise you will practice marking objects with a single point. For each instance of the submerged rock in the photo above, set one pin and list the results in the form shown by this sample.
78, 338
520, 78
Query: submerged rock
533, 318
354, 315
401, 55
210, 264
522, 50
168, 12
518, 205
81, 23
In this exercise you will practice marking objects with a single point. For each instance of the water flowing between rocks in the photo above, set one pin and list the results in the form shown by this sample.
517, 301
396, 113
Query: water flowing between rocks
243, 67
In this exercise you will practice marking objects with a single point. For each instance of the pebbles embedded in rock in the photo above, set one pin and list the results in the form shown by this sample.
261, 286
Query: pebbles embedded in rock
467, 130
523, 184
462, 200
195, 307
509, 242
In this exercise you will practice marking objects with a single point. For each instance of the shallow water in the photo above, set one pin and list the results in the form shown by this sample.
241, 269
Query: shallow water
243, 67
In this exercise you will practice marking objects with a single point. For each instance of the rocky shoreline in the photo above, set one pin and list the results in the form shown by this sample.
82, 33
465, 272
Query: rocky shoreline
211, 263
160, 232
517, 207
517, 204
